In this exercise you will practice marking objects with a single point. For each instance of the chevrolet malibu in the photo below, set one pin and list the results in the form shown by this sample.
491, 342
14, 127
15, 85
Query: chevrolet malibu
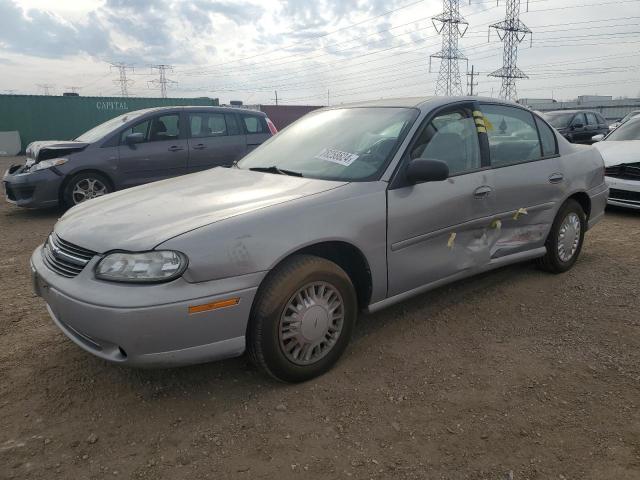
350, 208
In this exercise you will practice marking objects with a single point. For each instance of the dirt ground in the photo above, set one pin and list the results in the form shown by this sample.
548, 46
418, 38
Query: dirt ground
514, 374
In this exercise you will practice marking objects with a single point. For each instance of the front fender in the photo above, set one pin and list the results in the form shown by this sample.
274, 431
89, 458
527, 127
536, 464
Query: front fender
258, 241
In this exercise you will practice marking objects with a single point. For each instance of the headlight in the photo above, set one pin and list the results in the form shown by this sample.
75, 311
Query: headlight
54, 162
155, 266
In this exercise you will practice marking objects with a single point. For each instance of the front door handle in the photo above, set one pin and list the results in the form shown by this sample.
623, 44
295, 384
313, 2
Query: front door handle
482, 192
199, 146
175, 148
556, 178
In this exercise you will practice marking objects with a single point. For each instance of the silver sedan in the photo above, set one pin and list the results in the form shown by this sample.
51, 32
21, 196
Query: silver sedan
351, 208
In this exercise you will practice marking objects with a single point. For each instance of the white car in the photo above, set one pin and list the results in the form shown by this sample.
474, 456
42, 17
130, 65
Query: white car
625, 119
621, 153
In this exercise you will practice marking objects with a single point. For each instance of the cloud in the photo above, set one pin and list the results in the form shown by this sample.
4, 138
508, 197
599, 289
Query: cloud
40, 33
133, 31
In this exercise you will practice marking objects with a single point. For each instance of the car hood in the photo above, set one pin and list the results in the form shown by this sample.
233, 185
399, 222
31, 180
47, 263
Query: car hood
142, 217
619, 153
54, 148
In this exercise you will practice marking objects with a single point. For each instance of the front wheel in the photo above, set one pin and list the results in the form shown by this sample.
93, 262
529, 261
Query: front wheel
85, 186
565, 239
302, 320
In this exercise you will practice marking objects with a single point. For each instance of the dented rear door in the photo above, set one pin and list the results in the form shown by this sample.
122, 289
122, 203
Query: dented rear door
528, 177
439, 229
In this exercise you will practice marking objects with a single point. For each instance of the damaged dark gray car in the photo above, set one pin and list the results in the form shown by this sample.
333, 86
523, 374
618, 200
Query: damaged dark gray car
132, 149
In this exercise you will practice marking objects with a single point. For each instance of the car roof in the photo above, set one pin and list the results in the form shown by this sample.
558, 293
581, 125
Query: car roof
427, 103
201, 108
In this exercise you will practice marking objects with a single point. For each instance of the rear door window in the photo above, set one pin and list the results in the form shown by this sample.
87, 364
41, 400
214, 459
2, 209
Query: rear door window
592, 121
512, 133
207, 125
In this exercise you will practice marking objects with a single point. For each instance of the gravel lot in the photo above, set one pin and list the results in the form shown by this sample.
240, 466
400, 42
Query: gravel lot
516, 372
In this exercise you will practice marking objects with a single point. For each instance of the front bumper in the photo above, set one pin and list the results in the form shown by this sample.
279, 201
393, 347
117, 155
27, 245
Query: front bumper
39, 189
147, 325
623, 193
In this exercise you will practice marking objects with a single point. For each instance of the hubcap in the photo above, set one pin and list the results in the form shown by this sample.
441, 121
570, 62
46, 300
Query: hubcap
569, 237
86, 189
311, 323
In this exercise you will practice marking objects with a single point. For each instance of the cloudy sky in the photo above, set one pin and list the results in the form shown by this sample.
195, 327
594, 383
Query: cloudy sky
309, 51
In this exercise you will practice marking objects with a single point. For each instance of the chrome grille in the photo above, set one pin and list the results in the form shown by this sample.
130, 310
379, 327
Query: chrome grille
629, 171
65, 258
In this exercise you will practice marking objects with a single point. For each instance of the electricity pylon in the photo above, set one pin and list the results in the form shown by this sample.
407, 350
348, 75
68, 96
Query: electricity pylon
452, 27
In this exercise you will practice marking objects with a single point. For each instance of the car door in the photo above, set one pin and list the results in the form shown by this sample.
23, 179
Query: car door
578, 127
603, 126
256, 129
162, 153
439, 229
592, 126
528, 176
215, 139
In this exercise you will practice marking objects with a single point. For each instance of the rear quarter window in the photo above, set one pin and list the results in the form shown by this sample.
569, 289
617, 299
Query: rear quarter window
255, 124
547, 138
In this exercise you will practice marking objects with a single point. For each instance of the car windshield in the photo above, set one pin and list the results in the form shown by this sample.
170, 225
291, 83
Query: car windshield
104, 129
343, 144
627, 131
629, 116
558, 119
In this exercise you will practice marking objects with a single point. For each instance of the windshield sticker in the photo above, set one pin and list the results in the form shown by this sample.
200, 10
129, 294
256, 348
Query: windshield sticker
336, 156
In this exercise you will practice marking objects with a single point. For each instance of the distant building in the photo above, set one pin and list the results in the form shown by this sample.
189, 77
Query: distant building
535, 101
594, 98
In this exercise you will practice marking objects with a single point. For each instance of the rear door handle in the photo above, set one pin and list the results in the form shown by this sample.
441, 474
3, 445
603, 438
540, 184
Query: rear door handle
199, 146
556, 178
482, 192
175, 148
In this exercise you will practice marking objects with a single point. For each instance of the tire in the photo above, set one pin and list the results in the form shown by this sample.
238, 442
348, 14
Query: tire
84, 181
556, 260
269, 325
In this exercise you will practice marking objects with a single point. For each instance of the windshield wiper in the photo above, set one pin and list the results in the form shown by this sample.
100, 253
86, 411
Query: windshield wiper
274, 169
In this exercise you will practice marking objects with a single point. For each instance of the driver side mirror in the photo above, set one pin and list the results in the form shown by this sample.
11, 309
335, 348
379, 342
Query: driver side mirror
576, 125
597, 138
425, 170
134, 138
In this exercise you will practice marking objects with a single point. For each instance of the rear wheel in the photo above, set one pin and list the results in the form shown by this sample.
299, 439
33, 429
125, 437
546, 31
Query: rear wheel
85, 186
564, 242
302, 320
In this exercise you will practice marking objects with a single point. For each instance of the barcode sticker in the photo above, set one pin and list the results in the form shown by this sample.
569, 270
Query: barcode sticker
336, 156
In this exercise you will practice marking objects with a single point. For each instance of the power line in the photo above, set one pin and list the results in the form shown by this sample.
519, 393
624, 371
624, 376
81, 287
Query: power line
315, 37
511, 31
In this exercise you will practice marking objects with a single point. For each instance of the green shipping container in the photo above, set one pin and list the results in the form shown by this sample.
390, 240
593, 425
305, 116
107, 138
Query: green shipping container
39, 117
